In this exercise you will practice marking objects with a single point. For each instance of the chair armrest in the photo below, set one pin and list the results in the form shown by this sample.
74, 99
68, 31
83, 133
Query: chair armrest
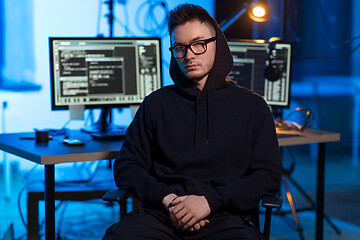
271, 202
116, 195
119, 196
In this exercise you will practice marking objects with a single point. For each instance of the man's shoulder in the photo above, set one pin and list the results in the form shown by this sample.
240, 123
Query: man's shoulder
161, 93
247, 93
244, 97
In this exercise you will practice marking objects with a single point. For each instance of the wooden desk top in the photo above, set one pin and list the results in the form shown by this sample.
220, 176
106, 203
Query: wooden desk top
57, 152
294, 137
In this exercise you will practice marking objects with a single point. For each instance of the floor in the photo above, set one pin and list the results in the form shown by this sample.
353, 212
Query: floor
340, 179
89, 220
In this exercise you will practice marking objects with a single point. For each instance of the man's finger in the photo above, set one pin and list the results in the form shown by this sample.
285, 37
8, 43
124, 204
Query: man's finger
176, 208
178, 219
190, 223
197, 226
183, 223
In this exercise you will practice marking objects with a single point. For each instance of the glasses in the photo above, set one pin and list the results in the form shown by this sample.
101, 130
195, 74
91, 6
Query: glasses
198, 47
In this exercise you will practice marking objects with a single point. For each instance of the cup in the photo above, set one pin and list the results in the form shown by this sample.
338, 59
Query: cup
41, 136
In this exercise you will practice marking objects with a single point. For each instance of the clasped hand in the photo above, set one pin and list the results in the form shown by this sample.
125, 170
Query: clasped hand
189, 212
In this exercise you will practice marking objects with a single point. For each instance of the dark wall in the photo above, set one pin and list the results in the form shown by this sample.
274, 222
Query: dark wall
318, 30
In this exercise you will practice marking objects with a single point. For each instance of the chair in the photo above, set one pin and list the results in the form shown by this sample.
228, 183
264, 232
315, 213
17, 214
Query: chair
121, 197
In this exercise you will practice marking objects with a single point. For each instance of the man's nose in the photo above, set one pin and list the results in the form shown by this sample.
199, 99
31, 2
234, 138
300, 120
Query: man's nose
189, 54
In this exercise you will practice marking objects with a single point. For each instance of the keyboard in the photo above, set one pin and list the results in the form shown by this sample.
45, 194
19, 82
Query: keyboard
120, 134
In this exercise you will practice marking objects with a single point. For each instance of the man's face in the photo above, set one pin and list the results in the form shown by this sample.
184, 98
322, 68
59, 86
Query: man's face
195, 67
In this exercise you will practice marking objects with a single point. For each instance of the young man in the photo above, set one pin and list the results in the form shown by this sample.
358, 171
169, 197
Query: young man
201, 153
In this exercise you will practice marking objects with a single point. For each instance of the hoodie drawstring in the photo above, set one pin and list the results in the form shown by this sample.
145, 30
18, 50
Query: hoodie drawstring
196, 119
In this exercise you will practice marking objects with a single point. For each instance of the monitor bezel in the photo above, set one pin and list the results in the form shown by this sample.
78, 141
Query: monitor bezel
96, 106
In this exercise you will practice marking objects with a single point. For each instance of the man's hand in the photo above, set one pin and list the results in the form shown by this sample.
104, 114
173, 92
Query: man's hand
189, 212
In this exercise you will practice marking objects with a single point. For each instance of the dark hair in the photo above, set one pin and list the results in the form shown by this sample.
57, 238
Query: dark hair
186, 12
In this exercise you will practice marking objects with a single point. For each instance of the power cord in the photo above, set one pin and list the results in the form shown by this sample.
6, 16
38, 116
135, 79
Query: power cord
21, 213
151, 25
285, 124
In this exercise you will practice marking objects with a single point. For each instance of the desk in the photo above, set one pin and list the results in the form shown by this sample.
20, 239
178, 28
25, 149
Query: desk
55, 152
309, 136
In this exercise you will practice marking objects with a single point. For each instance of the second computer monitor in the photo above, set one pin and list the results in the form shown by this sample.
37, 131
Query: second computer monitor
251, 57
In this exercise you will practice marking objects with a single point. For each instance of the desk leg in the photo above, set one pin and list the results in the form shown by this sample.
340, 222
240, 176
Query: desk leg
49, 202
320, 192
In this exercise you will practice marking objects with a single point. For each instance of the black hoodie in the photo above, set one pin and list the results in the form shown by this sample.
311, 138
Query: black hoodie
219, 142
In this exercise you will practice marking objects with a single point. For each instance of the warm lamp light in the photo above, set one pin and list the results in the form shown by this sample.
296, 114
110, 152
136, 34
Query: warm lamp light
259, 11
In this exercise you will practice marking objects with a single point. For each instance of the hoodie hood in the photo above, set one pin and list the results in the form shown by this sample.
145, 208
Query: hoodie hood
223, 64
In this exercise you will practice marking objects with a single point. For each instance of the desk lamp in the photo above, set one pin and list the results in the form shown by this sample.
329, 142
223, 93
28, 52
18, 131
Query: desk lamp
257, 10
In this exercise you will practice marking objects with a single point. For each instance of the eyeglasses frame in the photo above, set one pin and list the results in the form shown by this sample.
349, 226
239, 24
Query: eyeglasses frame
188, 46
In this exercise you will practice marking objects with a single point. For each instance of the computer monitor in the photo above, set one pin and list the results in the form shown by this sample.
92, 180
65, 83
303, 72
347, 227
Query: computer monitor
251, 57
103, 73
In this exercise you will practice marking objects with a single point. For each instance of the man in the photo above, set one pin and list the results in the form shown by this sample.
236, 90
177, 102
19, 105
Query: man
201, 153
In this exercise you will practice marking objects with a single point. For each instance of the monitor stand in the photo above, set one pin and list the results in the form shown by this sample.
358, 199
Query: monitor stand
278, 119
103, 125
277, 113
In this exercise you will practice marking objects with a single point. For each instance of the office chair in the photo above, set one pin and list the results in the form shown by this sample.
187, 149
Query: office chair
121, 197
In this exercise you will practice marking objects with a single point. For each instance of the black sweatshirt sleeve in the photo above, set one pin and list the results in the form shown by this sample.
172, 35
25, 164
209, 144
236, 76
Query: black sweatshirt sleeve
262, 178
132, 168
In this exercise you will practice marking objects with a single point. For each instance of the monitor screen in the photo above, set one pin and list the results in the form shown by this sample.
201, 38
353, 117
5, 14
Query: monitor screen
103, 72
250, 60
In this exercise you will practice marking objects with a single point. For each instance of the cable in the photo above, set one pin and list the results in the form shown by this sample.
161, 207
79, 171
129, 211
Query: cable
127, 22
307, 121
30, 171
20, 211
19, 202
121, 24
99, 18
151, 26
66, 124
